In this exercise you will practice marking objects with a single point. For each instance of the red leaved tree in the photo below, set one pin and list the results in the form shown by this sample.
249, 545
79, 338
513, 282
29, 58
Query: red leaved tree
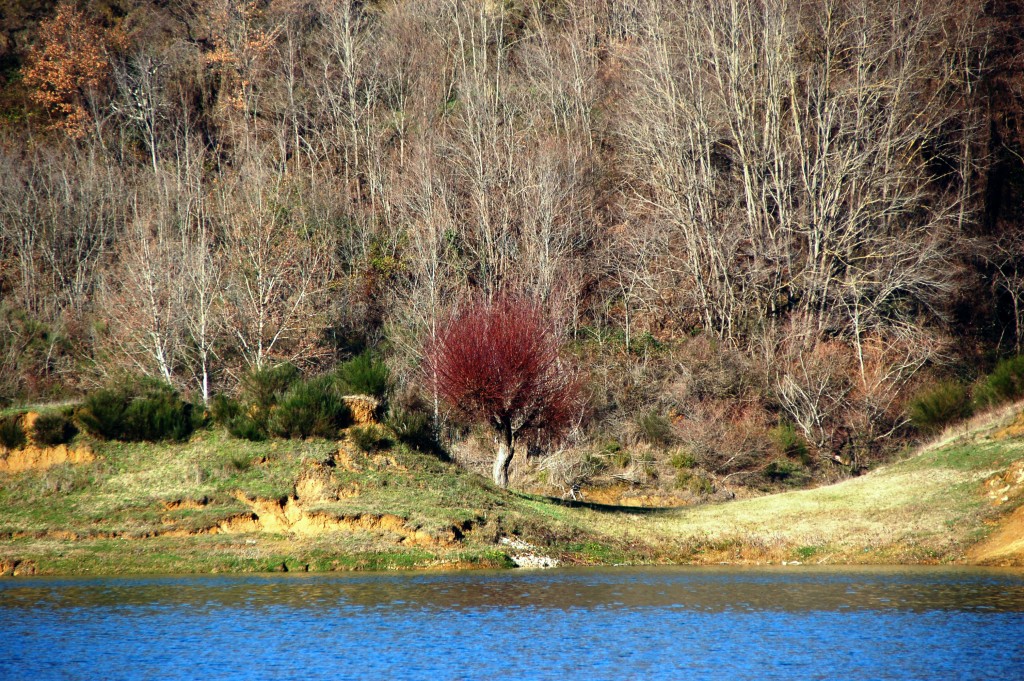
498, 362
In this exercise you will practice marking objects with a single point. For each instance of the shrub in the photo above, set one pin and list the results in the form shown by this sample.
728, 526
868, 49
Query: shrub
613, 450
145, 412
413, 428
935, 407
249, 418
261, 388
784, 471
499, 362
224, 410
311, 408
682, 461
1005, 383
53, 429
157, 416
645, 463
570, 468
276, 401
788, 441
245, 427
365, 375
369, 438
229, 413
200, 414
655, 429
12, 434
724, 440
695, 483
102, 413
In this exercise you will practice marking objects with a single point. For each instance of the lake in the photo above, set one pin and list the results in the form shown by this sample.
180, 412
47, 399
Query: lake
617, 623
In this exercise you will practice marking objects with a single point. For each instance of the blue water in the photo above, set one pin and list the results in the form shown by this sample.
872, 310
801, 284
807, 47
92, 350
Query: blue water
661, 623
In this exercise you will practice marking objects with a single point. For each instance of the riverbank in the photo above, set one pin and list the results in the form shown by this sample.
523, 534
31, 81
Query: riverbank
218, 504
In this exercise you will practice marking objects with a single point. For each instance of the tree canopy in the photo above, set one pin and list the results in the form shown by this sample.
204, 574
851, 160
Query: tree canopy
498, 362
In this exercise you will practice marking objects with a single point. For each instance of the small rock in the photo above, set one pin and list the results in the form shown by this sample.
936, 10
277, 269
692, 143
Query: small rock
516, 543
533, 561
530, 559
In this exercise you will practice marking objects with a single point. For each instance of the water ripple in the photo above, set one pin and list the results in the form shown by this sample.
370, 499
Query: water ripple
595, 624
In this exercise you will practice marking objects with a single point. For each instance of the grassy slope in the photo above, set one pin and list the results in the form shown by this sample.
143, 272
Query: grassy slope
929, 508
117, 514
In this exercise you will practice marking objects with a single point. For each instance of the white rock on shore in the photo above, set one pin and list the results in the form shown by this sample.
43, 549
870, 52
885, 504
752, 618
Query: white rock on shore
529, 558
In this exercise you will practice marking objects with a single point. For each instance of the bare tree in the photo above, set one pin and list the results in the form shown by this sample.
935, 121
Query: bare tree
1005, 254
144, 295
202, 261
141, 99
771, 143
61, 214
275, 274
345, 96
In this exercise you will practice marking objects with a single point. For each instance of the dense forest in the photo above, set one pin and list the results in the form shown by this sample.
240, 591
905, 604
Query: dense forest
762, 227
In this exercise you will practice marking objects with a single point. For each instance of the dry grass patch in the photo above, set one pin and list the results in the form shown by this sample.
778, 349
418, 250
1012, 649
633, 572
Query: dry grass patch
929, 508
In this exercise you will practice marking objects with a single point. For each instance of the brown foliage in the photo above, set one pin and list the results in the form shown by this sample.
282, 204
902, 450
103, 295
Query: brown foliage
68, 66
725, 437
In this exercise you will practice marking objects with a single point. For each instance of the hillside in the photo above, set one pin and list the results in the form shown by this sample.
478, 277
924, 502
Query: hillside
747, 262
217, 504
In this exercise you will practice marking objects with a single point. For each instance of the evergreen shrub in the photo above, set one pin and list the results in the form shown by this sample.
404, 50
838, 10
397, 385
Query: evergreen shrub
655, 429
245, 427
369, 438
312, 408
1004, 384
53, 429
936, 407
261, 388
12, 434
788, 472
682, 460
224, 409
414, 429
789, 442
230, 414
146, 411
365, 375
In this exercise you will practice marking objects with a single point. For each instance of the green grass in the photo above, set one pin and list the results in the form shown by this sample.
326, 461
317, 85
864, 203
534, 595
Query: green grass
41, 407
977, 456
116, 515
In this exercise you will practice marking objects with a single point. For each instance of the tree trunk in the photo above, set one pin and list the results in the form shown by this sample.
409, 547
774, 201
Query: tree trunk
503, 459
